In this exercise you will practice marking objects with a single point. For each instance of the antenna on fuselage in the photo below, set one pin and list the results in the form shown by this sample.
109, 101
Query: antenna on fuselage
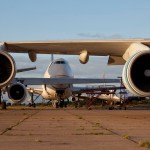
52, 57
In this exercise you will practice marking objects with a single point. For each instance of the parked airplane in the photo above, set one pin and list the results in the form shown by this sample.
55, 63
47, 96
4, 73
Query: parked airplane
135, 54
58, 69
106, 94
56, 88
57, 83
110, 97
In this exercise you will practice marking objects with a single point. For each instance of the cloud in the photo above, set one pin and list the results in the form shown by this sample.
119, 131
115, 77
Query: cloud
100, 36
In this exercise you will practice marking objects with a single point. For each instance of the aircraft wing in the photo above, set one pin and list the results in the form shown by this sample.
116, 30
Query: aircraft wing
53, 81
113, 48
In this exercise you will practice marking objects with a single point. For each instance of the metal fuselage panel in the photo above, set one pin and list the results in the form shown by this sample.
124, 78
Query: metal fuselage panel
57, 69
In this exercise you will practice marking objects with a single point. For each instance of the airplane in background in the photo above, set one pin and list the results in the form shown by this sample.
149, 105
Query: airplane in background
110, 97
57, 83
106, 94
134, 54
111, 100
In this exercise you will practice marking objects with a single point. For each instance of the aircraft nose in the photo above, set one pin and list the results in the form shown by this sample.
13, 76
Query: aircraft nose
60, 71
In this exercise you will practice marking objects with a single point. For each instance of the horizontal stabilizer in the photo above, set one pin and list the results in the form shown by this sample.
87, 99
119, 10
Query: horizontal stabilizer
25, 69
54, 81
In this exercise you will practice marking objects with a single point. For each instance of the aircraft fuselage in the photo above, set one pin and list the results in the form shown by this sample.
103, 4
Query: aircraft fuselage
59, 68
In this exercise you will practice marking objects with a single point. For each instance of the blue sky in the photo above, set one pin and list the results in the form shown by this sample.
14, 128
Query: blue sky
23, 20
73, 19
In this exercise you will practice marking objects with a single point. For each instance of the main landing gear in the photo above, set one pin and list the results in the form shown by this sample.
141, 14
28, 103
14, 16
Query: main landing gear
32, 104
2, 103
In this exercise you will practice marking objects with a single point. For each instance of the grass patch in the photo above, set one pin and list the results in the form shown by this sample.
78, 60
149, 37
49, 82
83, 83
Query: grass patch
38, 140
126, 136
29, 133
97, 124
143, 143
9, 128
80, 117
82, 128
95, 133
92, 133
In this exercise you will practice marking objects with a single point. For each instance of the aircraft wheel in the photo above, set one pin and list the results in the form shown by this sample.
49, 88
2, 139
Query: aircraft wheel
34, 105
3, 105
111, 108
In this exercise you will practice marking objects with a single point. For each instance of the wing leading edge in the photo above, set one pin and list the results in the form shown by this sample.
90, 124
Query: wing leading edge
94, 47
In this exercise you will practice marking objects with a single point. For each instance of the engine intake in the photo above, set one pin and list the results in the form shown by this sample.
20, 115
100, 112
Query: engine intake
17, 92
136, 74
7, 68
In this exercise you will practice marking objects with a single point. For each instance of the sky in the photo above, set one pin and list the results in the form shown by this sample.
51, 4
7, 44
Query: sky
29, 20
73, 19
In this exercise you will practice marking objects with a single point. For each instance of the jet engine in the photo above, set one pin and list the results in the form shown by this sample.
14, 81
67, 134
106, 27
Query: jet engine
17, 92
136, 74
7, 68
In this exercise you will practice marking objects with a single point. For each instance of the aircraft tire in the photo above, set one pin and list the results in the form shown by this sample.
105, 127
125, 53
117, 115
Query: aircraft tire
34, 105
3, 105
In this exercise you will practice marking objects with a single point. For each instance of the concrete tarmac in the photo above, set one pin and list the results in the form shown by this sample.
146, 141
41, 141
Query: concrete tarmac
70, 129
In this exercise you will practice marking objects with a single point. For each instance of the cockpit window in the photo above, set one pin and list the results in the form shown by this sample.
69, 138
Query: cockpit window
59, 62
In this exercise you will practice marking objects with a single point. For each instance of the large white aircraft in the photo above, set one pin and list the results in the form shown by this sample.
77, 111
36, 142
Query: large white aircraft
58, 68
57, 83
134, 54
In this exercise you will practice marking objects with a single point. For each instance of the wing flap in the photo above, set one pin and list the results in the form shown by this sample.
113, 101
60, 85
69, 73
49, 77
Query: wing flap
115, 60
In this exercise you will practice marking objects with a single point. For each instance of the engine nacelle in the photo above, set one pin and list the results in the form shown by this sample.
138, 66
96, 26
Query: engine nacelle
84, 57
17, 92
7, 68
136, 74
32, 56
